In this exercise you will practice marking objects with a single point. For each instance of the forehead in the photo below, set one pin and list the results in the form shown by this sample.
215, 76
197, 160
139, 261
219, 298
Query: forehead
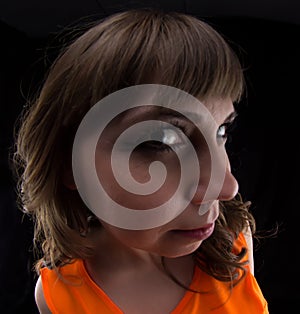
220, 108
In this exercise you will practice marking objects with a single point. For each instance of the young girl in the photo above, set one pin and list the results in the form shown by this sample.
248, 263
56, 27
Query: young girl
104, 249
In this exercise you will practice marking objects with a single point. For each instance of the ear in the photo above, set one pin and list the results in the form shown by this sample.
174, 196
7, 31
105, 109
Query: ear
68, 179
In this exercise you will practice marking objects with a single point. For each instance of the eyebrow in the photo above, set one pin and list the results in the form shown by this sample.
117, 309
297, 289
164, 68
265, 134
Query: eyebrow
195, 116
143, 112
231, 116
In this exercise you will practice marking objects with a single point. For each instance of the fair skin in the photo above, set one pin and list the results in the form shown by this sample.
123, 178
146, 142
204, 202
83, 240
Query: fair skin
134, 256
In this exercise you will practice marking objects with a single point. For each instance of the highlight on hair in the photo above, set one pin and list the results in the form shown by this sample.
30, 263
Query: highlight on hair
125, 49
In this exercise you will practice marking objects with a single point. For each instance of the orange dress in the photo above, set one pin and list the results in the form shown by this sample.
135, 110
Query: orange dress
77, 293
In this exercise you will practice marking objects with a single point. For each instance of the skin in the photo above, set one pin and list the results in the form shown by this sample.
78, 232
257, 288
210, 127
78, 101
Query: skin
134, 256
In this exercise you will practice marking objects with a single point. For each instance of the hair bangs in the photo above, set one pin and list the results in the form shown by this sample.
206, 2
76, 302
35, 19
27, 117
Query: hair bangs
196, 59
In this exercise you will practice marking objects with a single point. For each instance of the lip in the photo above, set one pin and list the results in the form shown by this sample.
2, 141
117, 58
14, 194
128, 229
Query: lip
197, 234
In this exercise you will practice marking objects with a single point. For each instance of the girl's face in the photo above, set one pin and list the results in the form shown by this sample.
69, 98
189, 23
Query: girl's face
185, 233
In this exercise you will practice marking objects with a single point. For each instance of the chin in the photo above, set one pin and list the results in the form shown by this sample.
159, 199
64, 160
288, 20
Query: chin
187, 250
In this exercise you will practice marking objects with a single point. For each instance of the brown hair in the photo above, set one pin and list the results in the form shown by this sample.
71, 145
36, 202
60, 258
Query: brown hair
128, 48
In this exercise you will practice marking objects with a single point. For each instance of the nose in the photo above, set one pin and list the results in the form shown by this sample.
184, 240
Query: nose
230, 187
223, 192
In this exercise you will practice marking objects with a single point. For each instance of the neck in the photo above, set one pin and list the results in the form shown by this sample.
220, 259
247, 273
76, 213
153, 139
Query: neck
113, 255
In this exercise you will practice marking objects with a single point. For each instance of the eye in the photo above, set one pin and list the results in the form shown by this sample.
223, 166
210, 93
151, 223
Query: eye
222, 131
169, 139
225, 130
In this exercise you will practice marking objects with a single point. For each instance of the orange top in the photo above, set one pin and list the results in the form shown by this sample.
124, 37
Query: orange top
77, 293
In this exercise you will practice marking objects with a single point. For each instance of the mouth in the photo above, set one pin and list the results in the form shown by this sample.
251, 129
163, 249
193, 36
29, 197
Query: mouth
197, 234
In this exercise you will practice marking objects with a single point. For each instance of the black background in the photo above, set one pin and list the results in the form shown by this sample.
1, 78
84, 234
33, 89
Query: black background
264, 150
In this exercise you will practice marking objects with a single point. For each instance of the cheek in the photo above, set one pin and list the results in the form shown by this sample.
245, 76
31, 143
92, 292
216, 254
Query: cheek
154, 185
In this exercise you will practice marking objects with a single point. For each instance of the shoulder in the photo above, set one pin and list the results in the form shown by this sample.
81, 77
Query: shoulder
55, 287
40, 298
